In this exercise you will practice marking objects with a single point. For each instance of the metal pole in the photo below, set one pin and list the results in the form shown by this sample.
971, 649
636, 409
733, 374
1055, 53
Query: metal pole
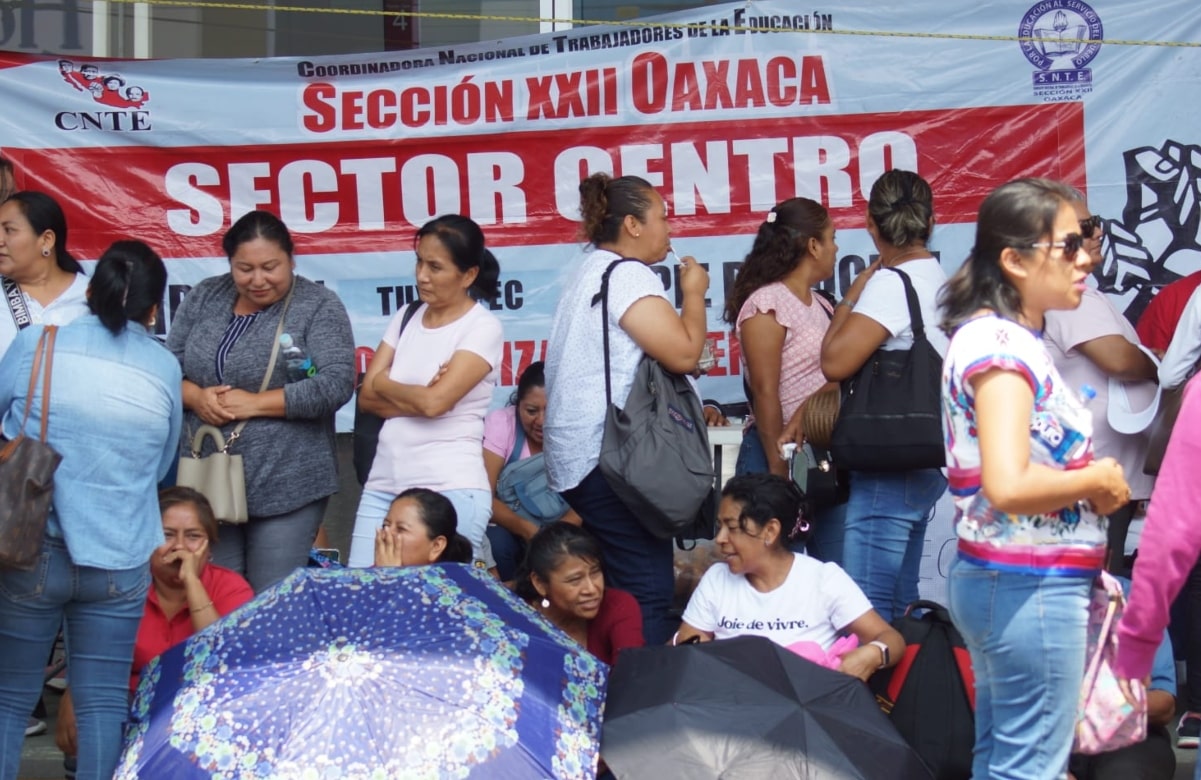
141, 31
99, 28
554, 9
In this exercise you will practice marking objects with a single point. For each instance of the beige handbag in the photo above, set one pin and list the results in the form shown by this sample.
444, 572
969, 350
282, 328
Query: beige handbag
220, 477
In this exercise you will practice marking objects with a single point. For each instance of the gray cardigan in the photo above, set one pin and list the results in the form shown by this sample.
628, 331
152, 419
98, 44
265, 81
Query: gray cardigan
289, 461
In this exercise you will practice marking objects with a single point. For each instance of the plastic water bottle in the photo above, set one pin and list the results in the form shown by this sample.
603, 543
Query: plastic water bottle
297, 364
1075, 445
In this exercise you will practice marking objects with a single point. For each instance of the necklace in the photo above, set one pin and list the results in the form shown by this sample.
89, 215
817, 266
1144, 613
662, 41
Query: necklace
892, 261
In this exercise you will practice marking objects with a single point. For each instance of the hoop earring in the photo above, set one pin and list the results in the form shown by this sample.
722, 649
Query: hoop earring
45, 253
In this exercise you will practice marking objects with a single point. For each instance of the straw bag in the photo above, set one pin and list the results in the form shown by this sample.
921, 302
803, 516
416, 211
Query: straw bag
220, 477
1107, 721
821, 412
27, 469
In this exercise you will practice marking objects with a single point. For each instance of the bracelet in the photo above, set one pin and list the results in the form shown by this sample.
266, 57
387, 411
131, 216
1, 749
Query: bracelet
848, 303
201, 608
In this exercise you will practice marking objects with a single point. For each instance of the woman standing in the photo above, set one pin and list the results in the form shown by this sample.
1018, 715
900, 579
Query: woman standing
114, 416
513, 434
623, 218
223, 334
887, 512
780, 324
1028, 493
432, 382
43, 284
1091, 345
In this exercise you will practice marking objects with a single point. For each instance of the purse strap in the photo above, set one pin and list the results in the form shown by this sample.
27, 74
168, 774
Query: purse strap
603, 298
518, 442
45, 346
916, 323
1103, 636
279, 331
16, 303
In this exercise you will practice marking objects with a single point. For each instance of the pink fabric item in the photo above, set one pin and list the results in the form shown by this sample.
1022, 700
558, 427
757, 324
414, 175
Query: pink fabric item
500, 433
1107, 720
444, 452
1170, 543
832, 658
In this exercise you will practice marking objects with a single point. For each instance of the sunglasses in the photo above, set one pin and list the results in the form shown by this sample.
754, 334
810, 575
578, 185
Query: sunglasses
1070, 244
1088, 227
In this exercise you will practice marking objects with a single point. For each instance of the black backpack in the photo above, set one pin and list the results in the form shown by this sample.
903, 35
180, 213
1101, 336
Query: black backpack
367, 425
930, 695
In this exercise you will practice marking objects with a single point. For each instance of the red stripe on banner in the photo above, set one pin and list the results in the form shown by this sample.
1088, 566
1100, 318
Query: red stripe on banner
719, 177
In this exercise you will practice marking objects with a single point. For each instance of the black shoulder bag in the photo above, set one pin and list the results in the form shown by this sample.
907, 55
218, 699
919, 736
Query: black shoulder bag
891, 413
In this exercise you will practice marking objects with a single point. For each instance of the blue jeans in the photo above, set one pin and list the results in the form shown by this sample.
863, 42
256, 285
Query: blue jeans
635, 560
886, 519
473, 510
101, 610
267, 549
752, 459
508, 550
1026, 635
826, 537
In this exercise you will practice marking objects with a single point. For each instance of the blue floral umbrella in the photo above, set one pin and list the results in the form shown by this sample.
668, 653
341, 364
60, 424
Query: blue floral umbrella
371, 674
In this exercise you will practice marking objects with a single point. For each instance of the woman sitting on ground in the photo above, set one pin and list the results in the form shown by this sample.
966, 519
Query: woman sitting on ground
764, 589
421, 527
187, 591
563, 578
512, 436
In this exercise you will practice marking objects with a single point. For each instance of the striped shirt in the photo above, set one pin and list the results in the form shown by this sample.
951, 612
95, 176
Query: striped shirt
238, 324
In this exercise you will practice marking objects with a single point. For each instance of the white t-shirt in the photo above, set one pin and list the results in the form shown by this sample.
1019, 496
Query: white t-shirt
883, 299
70, 305
446, 452
814, 603
575, 363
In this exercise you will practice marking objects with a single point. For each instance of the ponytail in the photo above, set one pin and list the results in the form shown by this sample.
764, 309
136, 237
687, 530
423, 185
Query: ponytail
458, 550
464, 241
129, 281
486, 286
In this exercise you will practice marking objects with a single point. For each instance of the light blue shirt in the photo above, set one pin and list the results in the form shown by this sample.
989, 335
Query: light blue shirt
115, 415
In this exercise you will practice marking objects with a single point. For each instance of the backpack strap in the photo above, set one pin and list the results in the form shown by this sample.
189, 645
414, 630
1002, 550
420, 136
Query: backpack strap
410, 310
603, 298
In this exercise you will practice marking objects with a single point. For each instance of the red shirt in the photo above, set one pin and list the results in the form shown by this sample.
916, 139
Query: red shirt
1158, 322
617, 625
158, 633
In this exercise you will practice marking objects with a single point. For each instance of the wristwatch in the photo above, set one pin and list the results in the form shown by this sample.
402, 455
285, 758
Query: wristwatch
884, 654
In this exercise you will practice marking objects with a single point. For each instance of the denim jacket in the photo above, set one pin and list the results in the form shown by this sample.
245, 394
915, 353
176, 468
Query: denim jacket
115, 415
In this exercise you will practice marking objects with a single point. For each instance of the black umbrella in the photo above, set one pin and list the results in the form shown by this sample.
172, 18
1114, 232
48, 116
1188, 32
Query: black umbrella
745, 708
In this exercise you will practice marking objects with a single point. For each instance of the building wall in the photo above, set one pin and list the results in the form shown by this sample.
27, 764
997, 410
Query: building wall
65, 26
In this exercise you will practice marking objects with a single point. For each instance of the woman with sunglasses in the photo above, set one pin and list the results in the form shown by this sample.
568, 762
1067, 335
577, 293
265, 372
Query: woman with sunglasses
1091, 345
1029, 495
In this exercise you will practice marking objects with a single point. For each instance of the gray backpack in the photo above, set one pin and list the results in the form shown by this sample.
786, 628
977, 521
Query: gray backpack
655, 451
